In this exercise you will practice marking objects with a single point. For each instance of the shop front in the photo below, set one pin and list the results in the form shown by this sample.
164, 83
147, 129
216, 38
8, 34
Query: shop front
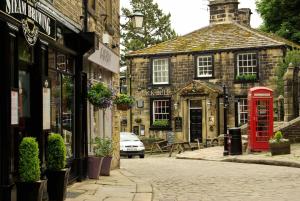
42, 86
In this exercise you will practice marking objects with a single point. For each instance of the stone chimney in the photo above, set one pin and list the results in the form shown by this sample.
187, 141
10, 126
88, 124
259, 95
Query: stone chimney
228, 11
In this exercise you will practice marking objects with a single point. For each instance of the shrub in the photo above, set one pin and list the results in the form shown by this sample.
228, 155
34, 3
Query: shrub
56, 152
161, 123
29, 166
278, 136
124, 99
100, 95
103, 147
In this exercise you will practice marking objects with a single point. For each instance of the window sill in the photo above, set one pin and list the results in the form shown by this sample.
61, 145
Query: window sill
160, 128
160, 85
245, 81
204, 78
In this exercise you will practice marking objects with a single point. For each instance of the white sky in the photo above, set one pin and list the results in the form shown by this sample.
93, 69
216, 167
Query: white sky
190, 15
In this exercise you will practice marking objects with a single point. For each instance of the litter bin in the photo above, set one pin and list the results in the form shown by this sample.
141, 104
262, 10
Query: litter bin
235, 141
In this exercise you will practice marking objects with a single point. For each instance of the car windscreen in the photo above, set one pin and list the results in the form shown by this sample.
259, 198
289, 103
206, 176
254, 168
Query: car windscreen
129, 138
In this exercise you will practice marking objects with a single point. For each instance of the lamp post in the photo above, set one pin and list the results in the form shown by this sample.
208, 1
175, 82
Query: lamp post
225, 104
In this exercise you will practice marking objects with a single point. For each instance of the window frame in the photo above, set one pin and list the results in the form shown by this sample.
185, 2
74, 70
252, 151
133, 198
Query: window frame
152, 100
206, 76
153, 73
239, 113
255, 72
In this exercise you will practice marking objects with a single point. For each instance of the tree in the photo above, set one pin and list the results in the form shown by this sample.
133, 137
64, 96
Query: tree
156, 27
281, 17
292, 56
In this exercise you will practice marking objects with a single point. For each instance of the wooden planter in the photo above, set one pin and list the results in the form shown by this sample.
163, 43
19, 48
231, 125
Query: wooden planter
280, 148
123, 107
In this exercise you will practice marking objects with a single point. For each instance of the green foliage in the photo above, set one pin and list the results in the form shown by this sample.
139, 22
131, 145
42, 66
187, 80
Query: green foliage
29, 165
160, 123
292, 56
156, 27
56, 152
124, 99
278, 136
246, 77
100, 95
281, 17
103, 147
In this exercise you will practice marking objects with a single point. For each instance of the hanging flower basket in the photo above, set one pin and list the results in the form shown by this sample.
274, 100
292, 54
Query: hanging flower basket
100, 95
124, 102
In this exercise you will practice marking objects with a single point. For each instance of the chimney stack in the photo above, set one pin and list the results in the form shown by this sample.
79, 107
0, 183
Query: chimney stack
224, 11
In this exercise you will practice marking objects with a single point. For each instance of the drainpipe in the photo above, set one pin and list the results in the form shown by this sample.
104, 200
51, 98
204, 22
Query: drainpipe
85, 15
130, 92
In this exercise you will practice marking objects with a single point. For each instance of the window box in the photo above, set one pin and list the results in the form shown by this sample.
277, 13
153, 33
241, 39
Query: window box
246, 78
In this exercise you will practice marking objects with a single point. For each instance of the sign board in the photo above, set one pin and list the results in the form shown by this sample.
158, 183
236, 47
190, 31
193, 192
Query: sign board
46, 106
178, 124
170, 137
33, 20
14, 107
105, 58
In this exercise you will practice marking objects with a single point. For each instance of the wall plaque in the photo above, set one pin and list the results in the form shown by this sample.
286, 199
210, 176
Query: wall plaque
14, 107
178, 124
46, 106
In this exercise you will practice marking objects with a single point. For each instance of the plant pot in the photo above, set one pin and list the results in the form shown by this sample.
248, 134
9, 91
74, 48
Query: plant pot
280, 148
105, 167
123, 107
57, 184
94, 167
30, 191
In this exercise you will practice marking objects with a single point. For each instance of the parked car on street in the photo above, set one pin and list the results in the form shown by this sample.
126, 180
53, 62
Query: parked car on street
130, 145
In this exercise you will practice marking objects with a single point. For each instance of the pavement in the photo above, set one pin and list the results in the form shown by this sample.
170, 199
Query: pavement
122, 185
216, 154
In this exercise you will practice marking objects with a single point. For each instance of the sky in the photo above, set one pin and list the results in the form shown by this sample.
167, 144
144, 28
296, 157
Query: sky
190, 15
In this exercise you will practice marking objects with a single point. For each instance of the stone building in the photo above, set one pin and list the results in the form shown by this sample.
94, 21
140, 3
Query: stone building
179, 83
51, 51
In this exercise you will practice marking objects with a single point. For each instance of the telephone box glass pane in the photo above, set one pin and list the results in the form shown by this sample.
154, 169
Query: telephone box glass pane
262, 123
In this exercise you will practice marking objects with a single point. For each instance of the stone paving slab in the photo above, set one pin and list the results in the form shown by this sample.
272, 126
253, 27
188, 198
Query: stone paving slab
120, 186
216, 154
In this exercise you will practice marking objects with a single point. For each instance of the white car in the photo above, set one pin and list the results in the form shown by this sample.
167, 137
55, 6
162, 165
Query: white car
130, 145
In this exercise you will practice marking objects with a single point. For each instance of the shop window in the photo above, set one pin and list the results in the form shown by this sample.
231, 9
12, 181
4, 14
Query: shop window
161, 110
243, 111
62, 98
160, 71
247, 64
204, 66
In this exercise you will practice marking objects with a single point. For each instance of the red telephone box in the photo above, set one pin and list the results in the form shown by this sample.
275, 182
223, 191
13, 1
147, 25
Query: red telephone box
260, 118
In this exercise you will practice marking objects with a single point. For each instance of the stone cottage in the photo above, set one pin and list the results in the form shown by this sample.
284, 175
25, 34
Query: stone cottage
179, 84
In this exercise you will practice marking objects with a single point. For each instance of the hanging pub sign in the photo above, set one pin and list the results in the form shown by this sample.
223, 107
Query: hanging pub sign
33, 20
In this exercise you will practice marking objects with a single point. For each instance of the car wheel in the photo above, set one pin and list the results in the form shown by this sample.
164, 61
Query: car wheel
142, 156
129, 156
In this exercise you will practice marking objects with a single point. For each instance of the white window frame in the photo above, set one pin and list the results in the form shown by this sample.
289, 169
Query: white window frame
160, 69
246, 61
243, 111
208, 67
164, 110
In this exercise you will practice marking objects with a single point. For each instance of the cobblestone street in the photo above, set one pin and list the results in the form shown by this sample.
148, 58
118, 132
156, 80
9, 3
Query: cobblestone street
189, 180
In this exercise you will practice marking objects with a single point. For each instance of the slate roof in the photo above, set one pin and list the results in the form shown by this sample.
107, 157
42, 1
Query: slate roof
216, 37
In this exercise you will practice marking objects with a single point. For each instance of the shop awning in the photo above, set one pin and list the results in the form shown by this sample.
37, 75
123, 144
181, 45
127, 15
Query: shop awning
106, 58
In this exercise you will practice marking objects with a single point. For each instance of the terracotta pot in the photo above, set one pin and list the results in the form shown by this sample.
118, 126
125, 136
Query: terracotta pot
30, 191
94, 167
105, 168
57, 184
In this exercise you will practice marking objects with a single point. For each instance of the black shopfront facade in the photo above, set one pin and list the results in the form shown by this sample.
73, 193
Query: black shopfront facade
41, 63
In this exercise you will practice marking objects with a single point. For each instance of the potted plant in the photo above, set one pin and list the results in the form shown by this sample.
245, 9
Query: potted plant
279, 145
30, 187
100, 95
95, 161
104, 148
56, 172
123, 101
